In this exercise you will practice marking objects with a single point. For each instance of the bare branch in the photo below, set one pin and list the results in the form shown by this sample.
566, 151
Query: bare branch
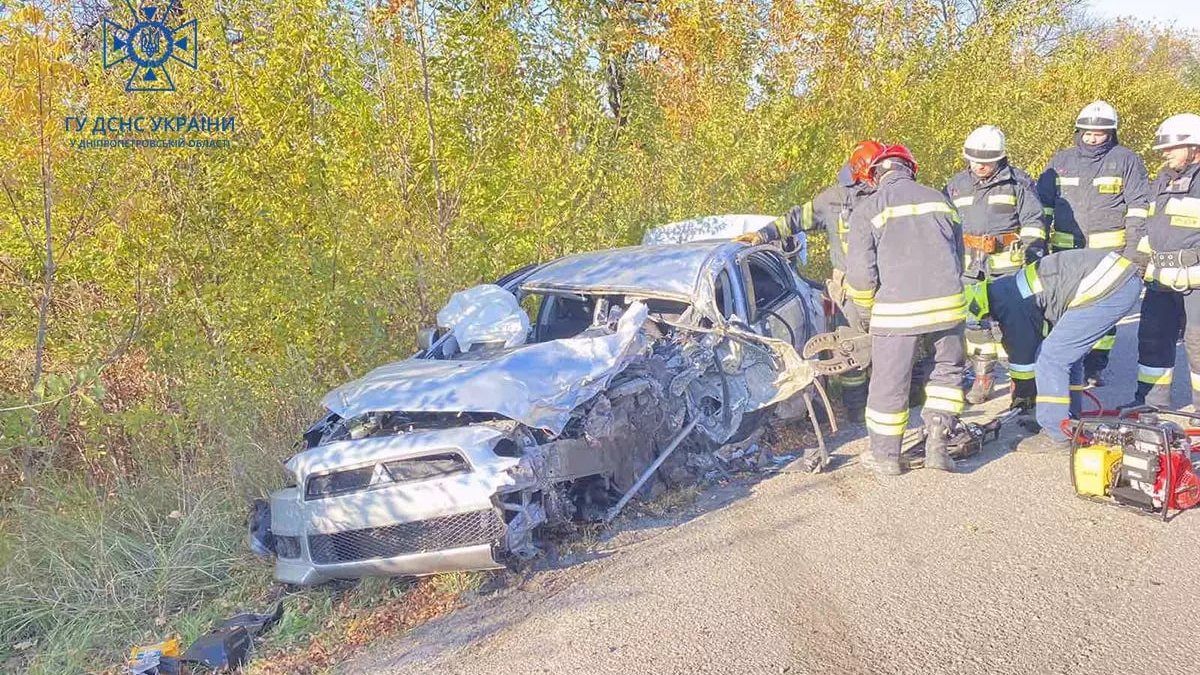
48, 267
33, 245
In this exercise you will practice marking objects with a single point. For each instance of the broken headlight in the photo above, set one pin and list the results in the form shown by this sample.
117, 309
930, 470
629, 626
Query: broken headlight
424, 468
409, 470
339, 482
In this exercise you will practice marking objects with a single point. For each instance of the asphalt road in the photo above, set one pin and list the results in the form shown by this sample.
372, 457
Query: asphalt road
996, 570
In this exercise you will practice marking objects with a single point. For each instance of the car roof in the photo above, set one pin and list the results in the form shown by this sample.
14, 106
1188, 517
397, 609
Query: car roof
672, 270
706, 228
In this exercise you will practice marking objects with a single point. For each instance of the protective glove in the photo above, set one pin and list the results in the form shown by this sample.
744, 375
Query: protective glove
864, 324
1140, 259
795, 219
752, 238
1034, 253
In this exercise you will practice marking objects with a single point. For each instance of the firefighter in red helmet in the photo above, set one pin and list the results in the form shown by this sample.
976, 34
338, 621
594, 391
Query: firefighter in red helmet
904, 270
830, 211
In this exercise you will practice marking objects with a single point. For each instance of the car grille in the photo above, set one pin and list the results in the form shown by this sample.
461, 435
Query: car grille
435, 534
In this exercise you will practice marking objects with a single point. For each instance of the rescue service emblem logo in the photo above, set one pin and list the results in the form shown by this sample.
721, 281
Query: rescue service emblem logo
150, 45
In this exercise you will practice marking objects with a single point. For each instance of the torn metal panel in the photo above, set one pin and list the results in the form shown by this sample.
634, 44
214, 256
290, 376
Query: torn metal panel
538, 384
771, 383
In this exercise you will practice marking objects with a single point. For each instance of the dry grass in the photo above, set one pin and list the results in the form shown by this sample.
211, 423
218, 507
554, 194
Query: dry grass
377, 609
670, 501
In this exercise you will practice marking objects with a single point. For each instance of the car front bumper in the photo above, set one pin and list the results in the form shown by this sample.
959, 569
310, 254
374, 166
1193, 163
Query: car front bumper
442, 543
428, 527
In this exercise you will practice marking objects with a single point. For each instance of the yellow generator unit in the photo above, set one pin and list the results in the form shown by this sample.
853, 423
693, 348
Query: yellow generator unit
1095, 469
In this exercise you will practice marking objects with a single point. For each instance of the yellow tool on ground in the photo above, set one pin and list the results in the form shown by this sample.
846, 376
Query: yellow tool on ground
1096, 469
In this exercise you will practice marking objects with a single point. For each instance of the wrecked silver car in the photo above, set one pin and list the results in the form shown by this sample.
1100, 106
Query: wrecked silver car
543, 399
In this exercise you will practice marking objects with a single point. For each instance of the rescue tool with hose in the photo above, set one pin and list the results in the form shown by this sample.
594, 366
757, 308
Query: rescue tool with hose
965, 440
839, 351
1139, 458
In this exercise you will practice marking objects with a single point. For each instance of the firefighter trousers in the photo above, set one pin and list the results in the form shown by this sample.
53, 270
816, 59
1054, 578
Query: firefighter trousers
1059, 363
1096, 360
1166, 313
892, 358
853, 382
1021, 325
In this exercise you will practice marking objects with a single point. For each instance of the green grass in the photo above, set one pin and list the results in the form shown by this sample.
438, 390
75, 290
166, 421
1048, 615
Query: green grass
86, 574
458, 583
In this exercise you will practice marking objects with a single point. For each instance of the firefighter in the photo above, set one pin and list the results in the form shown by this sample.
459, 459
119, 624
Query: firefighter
1003, 228
1173, 272
1096, 194
904, 266
1081, 294
830, 210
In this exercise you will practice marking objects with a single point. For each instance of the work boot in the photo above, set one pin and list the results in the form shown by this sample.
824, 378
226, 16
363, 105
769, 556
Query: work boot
980, 389
1121, 407
887, 466
1024, 403
1043, 443
937, 456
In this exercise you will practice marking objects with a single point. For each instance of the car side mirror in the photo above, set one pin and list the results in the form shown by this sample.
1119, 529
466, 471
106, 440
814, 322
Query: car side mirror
425, 337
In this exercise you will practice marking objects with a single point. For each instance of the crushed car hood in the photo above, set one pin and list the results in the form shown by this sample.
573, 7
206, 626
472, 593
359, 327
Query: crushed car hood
537, 385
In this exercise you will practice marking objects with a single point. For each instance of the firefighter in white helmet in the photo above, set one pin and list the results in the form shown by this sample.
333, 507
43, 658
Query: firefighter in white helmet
1172, 251
1003, 228
1097, 193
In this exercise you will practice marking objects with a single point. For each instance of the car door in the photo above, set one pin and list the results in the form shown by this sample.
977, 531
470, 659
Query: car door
777, 307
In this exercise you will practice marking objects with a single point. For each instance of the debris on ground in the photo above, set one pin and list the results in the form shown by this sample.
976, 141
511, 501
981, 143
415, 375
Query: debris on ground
225, 648
228, 646
355, 627
160, 658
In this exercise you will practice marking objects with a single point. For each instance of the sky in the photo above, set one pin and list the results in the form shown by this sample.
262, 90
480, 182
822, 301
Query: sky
1183, 13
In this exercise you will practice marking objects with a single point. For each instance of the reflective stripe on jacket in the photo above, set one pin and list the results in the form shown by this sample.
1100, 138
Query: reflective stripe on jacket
1174, 224
1096, 201
1070, 279
829, 210
905, 255
1005, 203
